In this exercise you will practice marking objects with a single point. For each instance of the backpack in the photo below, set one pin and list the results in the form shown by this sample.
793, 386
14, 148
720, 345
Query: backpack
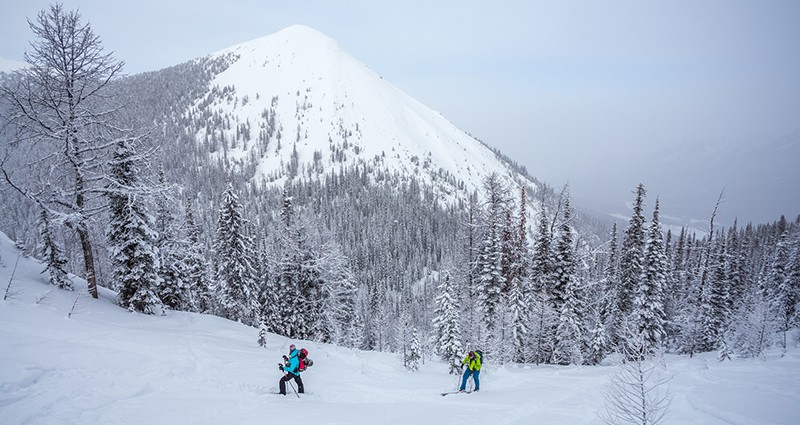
305, 362
480, 354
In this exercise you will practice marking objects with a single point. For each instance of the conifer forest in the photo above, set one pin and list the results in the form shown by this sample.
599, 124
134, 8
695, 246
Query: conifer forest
135, 183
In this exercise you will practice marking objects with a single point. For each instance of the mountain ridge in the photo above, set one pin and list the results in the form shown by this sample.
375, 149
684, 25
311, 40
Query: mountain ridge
315, 106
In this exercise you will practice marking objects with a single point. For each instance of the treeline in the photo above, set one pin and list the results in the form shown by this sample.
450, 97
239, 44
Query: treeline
353, 255
734, 291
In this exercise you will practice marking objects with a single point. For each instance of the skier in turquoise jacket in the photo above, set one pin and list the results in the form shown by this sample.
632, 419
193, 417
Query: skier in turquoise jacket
473, 363
291, 369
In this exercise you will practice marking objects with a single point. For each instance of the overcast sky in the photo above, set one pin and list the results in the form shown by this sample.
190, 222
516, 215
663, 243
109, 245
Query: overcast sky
598, 94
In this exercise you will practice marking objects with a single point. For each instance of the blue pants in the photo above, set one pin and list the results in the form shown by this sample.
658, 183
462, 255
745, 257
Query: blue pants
475, 377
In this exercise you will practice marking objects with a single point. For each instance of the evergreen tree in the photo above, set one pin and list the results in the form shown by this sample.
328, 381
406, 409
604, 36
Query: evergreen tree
631, 262
445, 322
340, 321
131, 236
544, 313
598, 344
569, 330
414, 352
172, 248
783, 290
234, 273
543, 259
609, 308
648, 302
519, 304
53, 255
262, 332
714, 298
519, 296
196, 271
605, 311
490, 261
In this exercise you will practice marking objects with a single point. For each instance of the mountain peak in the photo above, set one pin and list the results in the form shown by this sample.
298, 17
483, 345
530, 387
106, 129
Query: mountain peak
313, 104
296, 38
300, 31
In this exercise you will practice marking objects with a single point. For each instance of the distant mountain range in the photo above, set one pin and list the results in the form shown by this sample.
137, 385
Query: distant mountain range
752, 176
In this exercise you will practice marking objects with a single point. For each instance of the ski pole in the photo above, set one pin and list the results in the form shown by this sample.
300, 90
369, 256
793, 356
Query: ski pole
293, 389
459, 377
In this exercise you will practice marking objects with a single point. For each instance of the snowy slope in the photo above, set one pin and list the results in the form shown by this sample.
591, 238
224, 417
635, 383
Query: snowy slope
323, 99
104, 365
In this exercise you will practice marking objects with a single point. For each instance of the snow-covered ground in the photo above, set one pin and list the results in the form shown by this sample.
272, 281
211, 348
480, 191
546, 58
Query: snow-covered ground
104, 365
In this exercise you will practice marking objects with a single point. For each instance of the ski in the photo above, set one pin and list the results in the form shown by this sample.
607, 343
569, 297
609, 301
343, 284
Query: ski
455, 392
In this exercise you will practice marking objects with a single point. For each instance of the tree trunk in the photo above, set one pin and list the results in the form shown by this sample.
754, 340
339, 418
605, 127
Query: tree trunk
88, 259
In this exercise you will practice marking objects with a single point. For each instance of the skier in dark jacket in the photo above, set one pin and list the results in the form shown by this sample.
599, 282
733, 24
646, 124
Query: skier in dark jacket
291, 369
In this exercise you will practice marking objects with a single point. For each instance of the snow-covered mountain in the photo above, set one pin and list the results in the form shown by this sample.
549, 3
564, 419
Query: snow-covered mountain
298, 104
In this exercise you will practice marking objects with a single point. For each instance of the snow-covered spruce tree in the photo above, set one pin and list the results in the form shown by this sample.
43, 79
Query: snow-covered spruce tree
53, 255
648, 301
675, 291
569, 329
403, 328
783, 291
736, 268
173, 248
280, 310
234, 273
445, 323
706, 303
490, 259
714, 298
543, 315
414, 352
195, 267
598, 342
375, 308
685, 323
262, 332
604, 309
519, 302
297, 281
520, 266
131, 237
689, 323
61, 124
519, 296
608, 305
631, 262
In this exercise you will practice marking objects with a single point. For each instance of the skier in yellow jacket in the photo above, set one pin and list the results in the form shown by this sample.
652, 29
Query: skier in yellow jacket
473, 363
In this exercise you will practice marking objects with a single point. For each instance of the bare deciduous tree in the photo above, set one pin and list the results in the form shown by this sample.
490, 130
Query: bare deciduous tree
59, 118
636, 394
